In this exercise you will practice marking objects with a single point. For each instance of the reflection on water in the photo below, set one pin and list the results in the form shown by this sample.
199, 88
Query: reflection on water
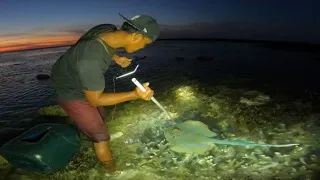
20, 91
287, 77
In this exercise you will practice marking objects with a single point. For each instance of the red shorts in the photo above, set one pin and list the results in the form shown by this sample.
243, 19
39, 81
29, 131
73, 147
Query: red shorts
87, 118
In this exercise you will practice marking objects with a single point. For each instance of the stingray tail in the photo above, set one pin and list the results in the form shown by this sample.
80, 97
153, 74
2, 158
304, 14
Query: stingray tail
245, 143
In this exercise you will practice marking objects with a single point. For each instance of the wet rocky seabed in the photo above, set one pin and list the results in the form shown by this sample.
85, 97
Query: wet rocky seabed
141, 151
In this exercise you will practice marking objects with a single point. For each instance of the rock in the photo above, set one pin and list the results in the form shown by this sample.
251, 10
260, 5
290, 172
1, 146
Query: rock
116, 135
43, 76
254, 98
254, 102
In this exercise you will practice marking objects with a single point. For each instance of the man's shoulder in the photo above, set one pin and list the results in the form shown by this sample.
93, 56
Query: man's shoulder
89, 48
94, 53
92, 44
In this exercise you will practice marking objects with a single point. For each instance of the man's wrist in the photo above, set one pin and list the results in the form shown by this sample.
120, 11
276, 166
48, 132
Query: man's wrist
134, 95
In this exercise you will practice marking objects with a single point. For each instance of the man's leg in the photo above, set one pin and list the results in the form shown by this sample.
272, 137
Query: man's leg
103, 153
88, 119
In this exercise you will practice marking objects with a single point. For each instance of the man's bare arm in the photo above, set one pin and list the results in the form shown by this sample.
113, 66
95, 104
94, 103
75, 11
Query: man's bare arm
98, 98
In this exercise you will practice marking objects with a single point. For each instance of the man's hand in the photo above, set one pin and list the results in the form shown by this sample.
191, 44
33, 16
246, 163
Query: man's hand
122, 61
144, 95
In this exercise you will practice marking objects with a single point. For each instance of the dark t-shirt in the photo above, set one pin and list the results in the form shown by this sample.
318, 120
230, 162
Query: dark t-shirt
81, 67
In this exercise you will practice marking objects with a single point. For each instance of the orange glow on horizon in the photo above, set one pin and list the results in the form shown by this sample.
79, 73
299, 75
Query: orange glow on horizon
16, 43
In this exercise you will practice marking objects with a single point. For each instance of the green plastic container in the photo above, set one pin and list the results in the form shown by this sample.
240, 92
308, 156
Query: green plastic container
45, 148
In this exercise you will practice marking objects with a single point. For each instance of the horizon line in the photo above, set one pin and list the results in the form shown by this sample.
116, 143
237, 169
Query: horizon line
295, 43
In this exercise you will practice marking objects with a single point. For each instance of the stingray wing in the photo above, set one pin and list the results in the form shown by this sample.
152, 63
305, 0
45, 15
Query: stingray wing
196, 127
185, 142
195, 148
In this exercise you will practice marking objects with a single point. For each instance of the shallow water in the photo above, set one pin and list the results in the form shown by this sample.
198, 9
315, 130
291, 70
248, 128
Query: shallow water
288, 78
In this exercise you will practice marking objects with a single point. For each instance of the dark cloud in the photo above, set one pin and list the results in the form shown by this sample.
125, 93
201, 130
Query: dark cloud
78, 29
15, 34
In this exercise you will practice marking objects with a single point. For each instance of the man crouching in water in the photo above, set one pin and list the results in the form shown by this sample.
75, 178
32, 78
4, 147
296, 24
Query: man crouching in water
78, 77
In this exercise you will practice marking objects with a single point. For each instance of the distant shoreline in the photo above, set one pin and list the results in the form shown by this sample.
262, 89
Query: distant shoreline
31, 49
300, 46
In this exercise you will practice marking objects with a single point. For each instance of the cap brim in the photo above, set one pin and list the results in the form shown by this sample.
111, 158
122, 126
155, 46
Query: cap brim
129, 21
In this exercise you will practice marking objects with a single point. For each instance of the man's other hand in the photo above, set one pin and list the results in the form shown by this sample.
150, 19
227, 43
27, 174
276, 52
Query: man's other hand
123, 61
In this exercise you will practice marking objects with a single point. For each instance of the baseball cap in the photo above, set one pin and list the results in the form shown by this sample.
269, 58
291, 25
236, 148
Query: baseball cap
145, 24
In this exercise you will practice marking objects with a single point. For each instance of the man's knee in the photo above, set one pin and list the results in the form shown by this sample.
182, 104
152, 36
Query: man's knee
100, 138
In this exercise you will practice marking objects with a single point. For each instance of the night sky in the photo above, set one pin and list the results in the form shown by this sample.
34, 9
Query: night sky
41, 23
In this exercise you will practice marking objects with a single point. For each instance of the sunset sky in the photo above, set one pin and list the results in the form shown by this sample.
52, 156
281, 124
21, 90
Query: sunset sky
42, 23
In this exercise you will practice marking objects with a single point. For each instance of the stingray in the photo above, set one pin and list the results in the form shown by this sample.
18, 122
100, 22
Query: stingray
195, 137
